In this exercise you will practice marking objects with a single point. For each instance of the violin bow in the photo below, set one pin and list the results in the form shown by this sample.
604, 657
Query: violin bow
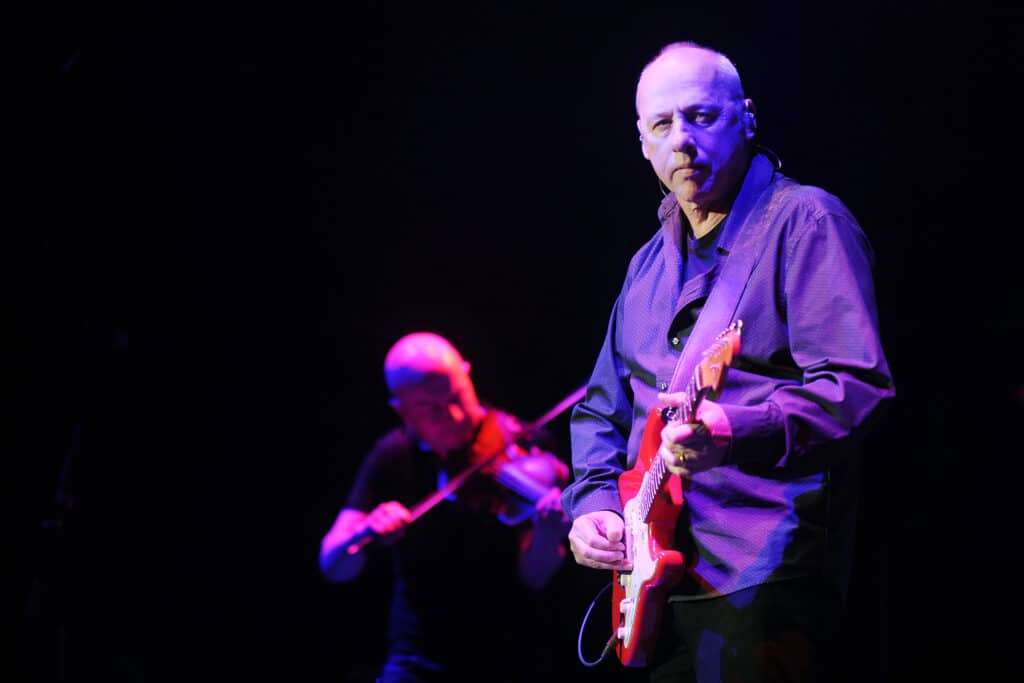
359, 540
455, 482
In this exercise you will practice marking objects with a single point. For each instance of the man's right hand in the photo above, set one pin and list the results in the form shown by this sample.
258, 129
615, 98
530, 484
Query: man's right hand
343, 560
597, 540
388, 520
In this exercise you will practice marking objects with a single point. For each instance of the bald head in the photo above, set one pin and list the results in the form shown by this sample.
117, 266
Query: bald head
696, 129
432, 392
696, 61
418, 356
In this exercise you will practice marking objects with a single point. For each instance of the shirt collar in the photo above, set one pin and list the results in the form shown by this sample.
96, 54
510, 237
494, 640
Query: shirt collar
759, 174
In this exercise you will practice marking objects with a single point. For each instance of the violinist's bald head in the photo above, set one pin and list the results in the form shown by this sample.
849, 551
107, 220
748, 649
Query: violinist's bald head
432, 392
418, 356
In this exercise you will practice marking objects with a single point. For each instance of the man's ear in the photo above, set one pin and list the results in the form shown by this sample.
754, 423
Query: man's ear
643, 140
749, 118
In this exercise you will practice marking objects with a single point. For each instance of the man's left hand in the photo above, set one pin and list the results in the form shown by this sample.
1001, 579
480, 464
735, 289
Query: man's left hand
688, 448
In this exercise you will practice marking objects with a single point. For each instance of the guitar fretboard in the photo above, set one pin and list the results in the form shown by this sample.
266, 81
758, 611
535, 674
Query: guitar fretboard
656, 476
694, 392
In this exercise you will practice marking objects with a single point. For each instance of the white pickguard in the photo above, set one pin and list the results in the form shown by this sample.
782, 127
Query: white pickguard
638, 544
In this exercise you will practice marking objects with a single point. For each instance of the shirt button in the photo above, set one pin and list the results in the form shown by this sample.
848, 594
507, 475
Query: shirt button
675, 341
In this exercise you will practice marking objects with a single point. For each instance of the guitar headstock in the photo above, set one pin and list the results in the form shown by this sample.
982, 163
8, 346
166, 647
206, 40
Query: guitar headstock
718, 357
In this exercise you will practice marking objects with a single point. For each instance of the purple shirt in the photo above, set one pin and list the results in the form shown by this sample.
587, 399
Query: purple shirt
795, 267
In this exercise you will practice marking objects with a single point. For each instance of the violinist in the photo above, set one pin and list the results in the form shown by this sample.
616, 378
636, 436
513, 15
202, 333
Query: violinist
481, 550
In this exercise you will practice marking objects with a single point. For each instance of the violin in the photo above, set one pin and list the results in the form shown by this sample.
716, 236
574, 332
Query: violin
509, 480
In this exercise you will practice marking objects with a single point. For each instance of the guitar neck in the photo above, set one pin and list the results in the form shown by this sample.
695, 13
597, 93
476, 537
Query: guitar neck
692, 396
707, 377
657, 476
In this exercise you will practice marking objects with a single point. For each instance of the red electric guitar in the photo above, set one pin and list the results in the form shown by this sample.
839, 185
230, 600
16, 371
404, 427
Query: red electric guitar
652, 501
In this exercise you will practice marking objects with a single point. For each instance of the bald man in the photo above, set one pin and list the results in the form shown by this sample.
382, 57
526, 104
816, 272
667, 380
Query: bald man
461, 557
768, 468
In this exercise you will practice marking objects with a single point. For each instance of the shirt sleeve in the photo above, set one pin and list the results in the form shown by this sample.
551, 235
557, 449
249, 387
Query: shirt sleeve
834, 340
370, 486
599, 429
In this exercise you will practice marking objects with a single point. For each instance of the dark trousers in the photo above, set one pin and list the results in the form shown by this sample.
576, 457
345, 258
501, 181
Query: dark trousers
782, 632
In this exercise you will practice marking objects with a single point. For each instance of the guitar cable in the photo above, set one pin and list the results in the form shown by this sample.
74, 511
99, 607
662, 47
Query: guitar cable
579, 641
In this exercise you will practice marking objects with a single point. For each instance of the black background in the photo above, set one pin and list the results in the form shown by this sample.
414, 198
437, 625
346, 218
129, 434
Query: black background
218, 217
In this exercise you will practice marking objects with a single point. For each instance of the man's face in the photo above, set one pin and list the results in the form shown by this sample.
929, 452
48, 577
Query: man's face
696, 132
442, 410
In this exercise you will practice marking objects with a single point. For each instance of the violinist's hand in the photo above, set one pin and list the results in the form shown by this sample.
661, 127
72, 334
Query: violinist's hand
597, 540
548, 511
388, 520
341, 560
691, 448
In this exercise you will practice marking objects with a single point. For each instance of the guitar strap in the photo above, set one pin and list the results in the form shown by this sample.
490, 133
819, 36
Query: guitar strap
744, 253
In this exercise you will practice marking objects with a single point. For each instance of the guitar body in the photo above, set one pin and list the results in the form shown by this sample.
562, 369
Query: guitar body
652, 499
639, 595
